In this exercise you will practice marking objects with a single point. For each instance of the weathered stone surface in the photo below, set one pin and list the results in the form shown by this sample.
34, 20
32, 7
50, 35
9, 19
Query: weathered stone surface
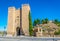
18, 18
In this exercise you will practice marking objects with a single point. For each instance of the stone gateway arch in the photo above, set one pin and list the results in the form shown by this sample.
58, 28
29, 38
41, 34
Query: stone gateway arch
18, 20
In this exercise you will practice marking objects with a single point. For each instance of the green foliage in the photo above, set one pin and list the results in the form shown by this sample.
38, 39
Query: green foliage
30, 25
37, 21
57, 22
45, 21
57, 32
1, 32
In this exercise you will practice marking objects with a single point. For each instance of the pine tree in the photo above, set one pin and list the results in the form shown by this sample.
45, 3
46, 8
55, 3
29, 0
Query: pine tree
30, 25
37, 21
45, 21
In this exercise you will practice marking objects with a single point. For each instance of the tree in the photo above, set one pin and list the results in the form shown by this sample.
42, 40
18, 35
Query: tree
34, 23
37, 21
45, 21
56, 21
30, 25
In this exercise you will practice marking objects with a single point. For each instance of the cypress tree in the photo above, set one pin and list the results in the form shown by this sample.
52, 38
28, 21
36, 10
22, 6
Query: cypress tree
30, 25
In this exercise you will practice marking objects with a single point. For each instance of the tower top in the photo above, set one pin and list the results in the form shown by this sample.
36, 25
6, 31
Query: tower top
12, 7
25, 4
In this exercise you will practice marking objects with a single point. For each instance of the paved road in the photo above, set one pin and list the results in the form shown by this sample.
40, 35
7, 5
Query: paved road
28, 39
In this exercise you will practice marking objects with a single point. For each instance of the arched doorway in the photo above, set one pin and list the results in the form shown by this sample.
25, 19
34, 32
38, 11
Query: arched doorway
18, 31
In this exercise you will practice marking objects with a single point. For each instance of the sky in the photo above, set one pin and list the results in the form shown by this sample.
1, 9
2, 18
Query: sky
39, 9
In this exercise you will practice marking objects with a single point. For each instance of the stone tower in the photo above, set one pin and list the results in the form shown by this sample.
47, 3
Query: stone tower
25, 18
11, 21
18, 20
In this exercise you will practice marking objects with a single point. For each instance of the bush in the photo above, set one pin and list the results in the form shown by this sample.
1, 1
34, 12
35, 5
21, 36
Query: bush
57, 32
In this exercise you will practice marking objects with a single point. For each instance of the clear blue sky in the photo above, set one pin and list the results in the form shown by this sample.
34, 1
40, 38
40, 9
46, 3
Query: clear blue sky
39, 9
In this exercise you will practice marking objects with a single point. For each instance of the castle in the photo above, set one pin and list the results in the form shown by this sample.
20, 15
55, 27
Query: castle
18, 20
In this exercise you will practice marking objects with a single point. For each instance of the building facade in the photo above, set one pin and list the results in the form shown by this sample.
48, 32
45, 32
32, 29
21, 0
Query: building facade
18, 20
